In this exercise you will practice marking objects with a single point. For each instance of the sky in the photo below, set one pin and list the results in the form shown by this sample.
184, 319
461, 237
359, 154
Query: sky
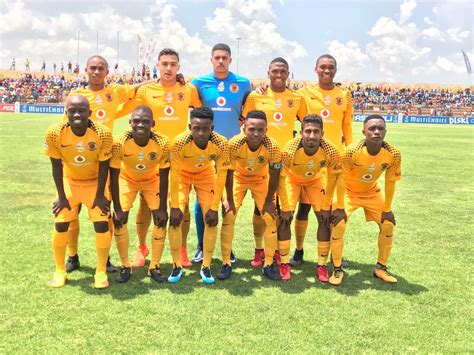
402, 41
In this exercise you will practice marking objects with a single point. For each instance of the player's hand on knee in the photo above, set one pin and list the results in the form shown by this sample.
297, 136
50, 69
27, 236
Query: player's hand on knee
388, 216
160, 218
270, 208
102, 203
176, 217
59, 204
211, 218
228, 206
119, 218
324, 217
338, 215
285, 218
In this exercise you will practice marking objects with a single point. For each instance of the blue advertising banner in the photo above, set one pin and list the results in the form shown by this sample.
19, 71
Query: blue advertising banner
400, 118
20, 108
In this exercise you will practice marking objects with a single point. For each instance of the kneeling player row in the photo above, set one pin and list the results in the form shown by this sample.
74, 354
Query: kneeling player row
308, 170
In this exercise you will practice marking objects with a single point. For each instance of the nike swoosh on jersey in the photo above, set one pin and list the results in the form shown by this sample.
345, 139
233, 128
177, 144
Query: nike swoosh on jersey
188, 156
127, 155
358, 164
64, 146
156, 97
297, 164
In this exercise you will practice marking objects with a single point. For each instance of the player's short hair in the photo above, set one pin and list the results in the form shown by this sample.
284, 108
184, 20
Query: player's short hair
143, 108
168, 51
256, 114
373, 117
202, 112
280, 60
328, 56
99, 57
221, 47
312, 119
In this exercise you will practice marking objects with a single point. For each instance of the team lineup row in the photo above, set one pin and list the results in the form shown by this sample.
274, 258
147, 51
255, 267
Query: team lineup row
211, 153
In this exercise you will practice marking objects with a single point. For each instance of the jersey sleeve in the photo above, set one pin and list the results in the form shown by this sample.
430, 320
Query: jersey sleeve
51, 141
286, 160
195, 98
115, 162
302, 109
234, 146
393, 172
249, 104
125, 92
332, 156
222, 165
274, 155
348, 119
165, 157
106, 139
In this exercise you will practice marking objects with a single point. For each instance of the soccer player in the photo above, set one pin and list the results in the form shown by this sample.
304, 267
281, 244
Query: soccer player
80, 152
170, 102
140, 163
255, 165
305, 161
282, 107
363, 163
105, 102
199, 158
224, 93
334, 105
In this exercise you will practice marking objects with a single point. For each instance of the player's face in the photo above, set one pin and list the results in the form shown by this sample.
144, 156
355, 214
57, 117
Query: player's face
326, 70
97, 70
375, 130
311, 135
168, 65
255, 130
201, 130
78, 112
141, 123
278, 75
221, 61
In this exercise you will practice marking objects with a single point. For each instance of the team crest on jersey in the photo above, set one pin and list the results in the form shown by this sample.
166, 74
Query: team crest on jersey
338, 100
261, 159
79, 159
80, 147
371, 167
221, 86
278, 116
213, 157
322, 164
140, 167
180, 96
169, 97
367, 177
221, 101
152, 156
169, 110
234, 88
384, 166
290, 103
92, 146
108, 97
325, 113
327, 100
309, 174
141, 156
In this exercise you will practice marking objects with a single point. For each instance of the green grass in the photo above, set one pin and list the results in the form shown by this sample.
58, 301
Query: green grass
429, 310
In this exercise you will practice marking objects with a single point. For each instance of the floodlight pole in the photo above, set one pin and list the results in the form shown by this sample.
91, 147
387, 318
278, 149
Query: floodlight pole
238, 52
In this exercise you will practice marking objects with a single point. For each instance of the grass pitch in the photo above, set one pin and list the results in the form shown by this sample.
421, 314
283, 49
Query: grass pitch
429, 310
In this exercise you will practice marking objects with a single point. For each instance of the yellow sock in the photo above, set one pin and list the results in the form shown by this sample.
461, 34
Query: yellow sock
122, 241
323, 251
73, 237
185, 225
385, 242
143, 221
175, 238
300, 232
209, 241
258, 230
227, 236
284, 247
270, 237
59, 242
157, 245
102, 245
337, 242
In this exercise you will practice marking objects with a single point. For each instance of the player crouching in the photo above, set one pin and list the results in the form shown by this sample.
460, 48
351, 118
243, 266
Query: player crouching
80, 152
140, 164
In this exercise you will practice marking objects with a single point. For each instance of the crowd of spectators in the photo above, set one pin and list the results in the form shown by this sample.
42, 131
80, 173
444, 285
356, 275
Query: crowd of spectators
437, 102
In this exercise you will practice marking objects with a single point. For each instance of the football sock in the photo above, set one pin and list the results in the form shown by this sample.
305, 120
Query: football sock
102, 244
157, 245
227, 236
300, 232
258, 230
122, 241
385, 242
175, 240
59, 242
270, 238
73, 237
284, 247
323, 251
337, 242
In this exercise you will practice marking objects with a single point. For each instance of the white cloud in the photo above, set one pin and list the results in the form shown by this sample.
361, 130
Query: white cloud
455, 34
427, 20
433, 33
350, 57
447, 65
406, 10
14, 16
